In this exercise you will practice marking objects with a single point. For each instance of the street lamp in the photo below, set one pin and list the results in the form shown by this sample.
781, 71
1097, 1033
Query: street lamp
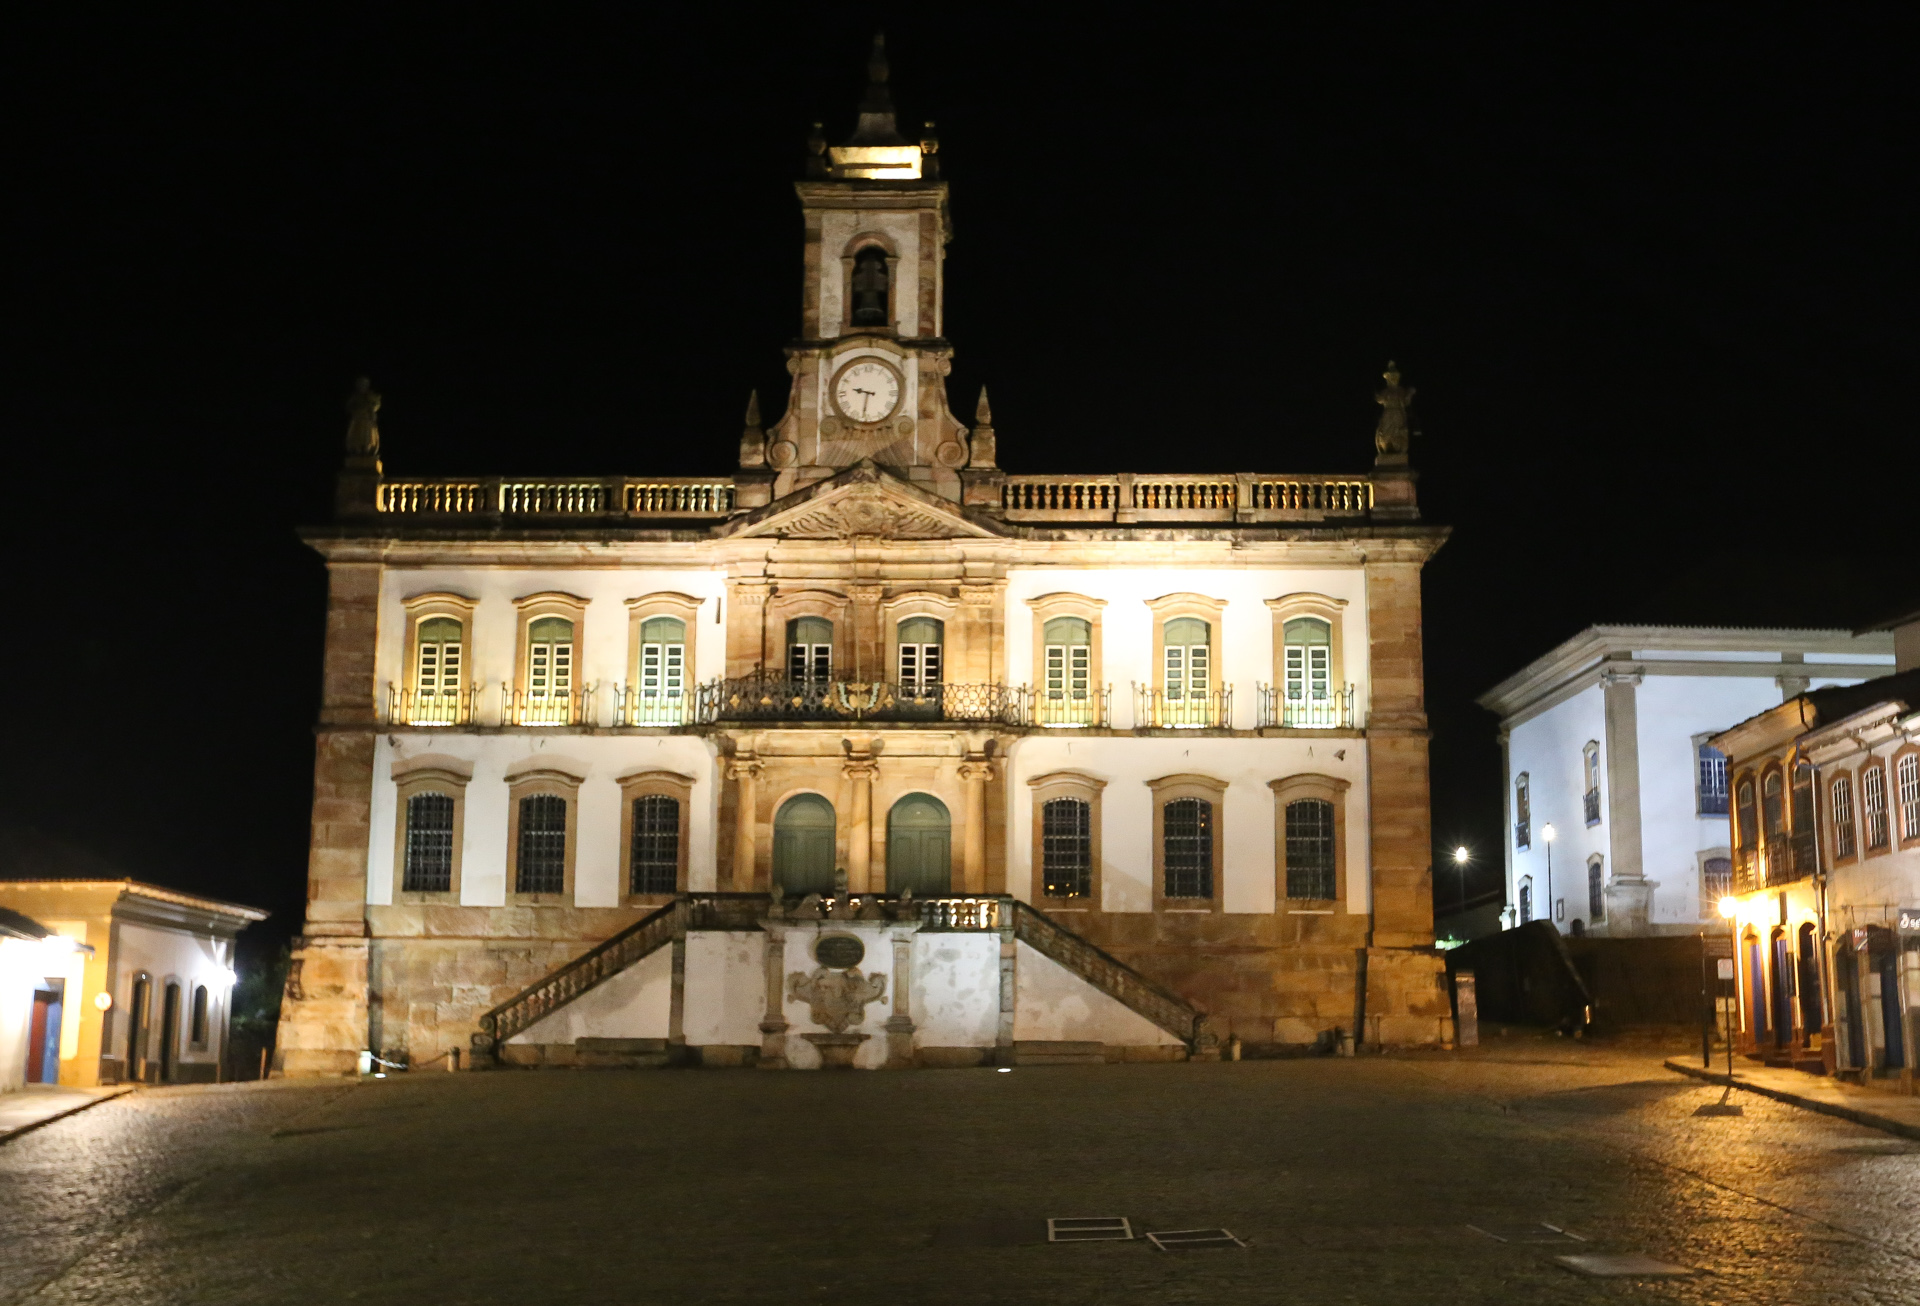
1460, 858
1729, 907
1546, 832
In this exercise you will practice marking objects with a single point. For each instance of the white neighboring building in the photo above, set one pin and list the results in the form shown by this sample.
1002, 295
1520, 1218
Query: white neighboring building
1604, 741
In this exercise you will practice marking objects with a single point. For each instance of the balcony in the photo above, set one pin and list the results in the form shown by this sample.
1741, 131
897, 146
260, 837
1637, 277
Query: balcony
1068, 711
632, 707
755, 698
1522, 835
1590, 804
1155, 708
1746, 870
1332, 711
617, 496
562, 708
408, 707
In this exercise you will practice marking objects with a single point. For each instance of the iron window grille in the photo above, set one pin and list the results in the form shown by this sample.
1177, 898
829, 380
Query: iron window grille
1590, 802
1716, 879
656, 844
542, 864
1712, 780
1310, 867
1066, 847
429, 867
1187, 848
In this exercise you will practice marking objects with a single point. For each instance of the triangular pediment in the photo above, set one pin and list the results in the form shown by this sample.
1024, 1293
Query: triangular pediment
862, 502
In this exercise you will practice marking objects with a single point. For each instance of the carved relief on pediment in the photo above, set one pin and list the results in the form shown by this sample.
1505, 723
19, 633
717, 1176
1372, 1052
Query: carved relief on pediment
869, 513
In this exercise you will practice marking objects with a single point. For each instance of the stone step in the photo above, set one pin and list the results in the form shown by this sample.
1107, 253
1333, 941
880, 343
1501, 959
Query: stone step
1042, 1052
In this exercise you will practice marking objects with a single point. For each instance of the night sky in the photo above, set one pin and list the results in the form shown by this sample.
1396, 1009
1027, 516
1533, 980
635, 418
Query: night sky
1652, 272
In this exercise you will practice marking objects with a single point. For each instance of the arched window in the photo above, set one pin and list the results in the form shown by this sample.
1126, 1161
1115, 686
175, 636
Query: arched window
1066, 848
803, 845
1873, 798
549, 659
920, 640
1187, 845
429, 855
810, 650
1308, 659
868, 288
656, 844
1596, 889
1522, 811
1747, 828
1310, 854
1803, 799
541, 866
1773, 809
1189, 658
1526, 899
920, 847
1068, 643
1716, 880
1906, 777
663, 661
437, 670
1843, 832
197, 1019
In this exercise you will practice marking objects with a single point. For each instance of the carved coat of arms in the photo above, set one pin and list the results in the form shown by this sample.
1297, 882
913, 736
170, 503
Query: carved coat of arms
836, 998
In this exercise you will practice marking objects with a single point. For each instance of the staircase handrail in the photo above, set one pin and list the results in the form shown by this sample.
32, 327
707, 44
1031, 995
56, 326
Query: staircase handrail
591, 968
1108, 973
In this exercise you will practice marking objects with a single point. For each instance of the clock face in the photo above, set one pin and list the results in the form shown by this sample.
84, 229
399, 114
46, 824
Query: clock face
867, 391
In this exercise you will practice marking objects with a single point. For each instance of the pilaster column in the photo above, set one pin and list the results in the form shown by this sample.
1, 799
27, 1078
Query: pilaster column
974, 773
773, 1025
869, 642
859, 770
1628, 895
900, 1023
743, 770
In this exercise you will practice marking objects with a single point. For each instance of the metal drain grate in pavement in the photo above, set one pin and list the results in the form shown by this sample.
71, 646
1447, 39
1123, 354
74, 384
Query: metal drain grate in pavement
1527, 1233
1092, 1229
1184, 1240
1623, 1266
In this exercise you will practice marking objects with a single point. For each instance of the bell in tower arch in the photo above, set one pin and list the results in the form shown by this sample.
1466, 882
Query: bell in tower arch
869, 288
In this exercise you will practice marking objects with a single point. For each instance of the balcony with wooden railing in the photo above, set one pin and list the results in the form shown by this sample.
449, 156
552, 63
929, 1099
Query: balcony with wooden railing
1198, 497
616, 496
1158, 708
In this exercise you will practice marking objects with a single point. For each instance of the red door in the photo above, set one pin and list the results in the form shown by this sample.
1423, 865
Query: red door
43, 1007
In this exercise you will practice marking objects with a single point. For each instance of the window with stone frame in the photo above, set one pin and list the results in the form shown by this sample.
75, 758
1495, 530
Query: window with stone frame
810, 650
1873, 802
1188, 653
654, 849
1311, 870
663, 662
1066, 848
540, 861
437, 669
1710, 780
1773, 808
549, 659
920, 641
428, 866
1844, 836
1525, 905
1590, 767
1596, 889
1716, 882
1746, 823
1307, 660
197, 1025
1068, 660
1906, 783
1187, 848
1522, 811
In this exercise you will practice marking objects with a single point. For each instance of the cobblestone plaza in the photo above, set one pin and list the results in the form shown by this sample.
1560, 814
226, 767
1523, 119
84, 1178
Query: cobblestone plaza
1350, 1180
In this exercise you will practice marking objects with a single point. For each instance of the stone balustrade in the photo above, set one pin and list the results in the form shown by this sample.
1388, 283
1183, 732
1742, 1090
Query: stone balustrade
693, 497
1200, 497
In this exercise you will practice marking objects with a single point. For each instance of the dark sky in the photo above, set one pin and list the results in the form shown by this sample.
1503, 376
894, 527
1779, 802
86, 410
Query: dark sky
1651, 270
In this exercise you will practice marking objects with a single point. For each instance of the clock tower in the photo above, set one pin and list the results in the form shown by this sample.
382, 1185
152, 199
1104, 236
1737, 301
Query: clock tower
870, 364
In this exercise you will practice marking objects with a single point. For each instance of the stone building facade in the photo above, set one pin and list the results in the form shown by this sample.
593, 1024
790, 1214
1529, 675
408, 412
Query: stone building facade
1158, 736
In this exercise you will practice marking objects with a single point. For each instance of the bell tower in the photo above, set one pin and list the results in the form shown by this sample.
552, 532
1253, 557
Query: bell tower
869, 366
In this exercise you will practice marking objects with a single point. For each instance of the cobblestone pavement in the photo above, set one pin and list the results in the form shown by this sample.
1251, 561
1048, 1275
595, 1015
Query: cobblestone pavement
1352, 1181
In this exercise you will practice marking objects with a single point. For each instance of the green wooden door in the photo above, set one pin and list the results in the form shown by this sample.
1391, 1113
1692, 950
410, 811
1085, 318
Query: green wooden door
920, 847
803, 845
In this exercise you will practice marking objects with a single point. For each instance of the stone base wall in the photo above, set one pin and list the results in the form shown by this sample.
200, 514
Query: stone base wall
323, 1018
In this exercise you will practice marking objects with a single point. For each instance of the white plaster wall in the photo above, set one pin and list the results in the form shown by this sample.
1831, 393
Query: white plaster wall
21, 961
837, 228
176, 956
1052, 1003
1248, 821
1671, 710
602, 652
956, 994
726, 989
601, 759
1549, 748
1246, 634
871, 1055
636, 1003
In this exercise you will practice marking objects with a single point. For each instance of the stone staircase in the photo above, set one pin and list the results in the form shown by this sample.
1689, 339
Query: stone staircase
1009, 917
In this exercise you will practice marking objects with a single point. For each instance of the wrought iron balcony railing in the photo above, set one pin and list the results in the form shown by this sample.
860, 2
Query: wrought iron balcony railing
1157, 708
633, 706
1590, 803
758, 698
410, 707
518, 707
1331, 711
1067, 710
